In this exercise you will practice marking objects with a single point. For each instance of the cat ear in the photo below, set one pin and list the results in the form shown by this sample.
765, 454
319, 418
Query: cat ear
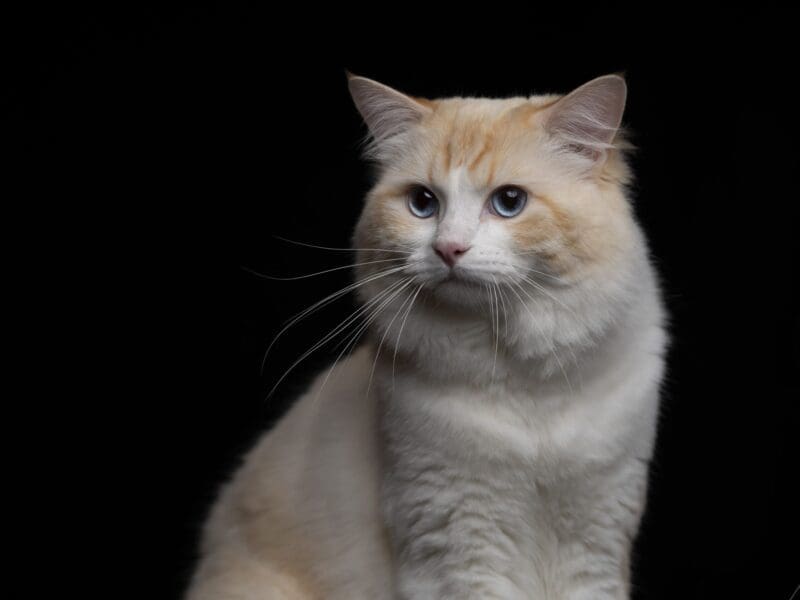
386, 112
586, 120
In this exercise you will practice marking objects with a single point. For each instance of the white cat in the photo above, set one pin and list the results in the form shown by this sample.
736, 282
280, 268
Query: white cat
492, 438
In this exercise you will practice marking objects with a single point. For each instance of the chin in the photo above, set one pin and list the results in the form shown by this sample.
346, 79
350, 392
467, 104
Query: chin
461, 291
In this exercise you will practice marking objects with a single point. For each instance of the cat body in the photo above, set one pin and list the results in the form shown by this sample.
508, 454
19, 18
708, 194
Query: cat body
492, 437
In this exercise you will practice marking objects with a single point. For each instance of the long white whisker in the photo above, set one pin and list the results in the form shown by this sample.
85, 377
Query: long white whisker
338, 329
542, 289
341, 249
372, 310
360, 330
326, 301
567, 308
541, 331
532, 269
544, 274
402, 325
490, 300
505, 308
331, 270
496, 330
383, 337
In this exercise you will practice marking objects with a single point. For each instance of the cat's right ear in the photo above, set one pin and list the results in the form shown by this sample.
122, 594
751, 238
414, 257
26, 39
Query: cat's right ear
387, 112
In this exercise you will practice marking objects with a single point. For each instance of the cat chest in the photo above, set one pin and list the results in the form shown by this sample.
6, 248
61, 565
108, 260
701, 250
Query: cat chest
561, 436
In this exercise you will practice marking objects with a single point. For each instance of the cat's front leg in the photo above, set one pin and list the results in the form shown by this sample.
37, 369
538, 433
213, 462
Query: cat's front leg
452, 532
597, 525
593, 575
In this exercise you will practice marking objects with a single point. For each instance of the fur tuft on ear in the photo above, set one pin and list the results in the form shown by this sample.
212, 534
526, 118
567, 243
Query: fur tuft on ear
586, 120
386, 112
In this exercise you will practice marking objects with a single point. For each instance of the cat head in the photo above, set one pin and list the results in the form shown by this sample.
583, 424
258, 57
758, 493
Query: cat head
482, 201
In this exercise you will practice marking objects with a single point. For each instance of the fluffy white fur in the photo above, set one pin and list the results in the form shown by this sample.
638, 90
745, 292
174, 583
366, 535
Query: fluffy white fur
492, 438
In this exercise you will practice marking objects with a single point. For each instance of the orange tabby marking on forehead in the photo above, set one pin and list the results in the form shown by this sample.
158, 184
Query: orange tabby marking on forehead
487, 147
468, 136
475, 134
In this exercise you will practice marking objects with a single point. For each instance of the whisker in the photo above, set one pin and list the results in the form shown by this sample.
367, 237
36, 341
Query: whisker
505, 298
496, 329
514, 267
505, 309
383, 337
332, 334
531, 269
341, 249
295, 278
402, 325
353, 339
490, 300
325, 302
567, 308
545, 274
541, 332
542, 289
370, 314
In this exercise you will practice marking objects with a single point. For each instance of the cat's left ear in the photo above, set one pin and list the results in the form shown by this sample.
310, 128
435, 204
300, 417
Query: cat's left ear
586, 120
386, 112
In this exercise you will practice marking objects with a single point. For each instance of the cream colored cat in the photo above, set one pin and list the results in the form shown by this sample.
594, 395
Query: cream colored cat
492, 438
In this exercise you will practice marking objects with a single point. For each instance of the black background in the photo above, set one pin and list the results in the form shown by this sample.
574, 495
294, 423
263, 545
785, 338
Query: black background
162, 151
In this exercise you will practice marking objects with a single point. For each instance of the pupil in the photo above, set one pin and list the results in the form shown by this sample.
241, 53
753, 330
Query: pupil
508, 201
423, 202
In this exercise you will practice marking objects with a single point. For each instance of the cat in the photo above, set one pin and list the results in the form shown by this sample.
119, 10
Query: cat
492, 438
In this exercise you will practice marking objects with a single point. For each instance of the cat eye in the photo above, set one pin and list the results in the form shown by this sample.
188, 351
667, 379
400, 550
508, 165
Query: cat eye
508, 201
422, 202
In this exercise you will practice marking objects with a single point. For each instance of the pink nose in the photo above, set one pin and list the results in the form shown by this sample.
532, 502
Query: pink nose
450, 252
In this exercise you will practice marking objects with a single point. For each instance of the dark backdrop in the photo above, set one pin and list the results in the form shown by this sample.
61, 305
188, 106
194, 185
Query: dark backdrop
163, 151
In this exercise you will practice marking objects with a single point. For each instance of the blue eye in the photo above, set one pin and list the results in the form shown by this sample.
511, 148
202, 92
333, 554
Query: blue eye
422, 202
508, 201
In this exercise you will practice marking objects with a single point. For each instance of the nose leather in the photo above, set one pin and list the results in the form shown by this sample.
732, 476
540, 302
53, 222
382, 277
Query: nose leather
450, 252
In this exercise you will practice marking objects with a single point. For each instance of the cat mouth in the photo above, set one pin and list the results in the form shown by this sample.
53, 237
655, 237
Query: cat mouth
462, 279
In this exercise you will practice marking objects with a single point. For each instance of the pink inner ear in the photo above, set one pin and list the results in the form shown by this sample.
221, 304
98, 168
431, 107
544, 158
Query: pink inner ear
588, 118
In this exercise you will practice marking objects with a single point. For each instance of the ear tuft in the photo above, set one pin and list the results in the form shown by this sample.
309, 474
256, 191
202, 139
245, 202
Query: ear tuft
386, 111
586, 120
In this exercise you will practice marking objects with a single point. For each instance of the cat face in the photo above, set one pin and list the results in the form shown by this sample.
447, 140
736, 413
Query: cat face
513, 199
